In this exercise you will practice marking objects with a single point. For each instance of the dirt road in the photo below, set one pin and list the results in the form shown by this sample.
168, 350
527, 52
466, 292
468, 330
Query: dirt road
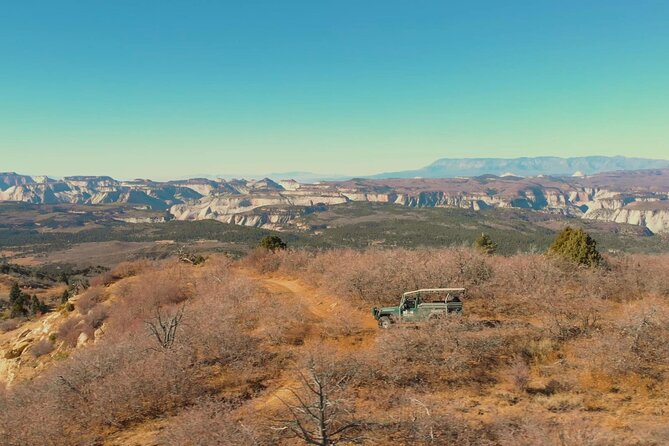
328, 311
325, 311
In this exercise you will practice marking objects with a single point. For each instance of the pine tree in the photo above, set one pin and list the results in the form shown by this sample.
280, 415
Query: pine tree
64, 278
36, 306
18, 301
15, 293
485, 244
576, 245
17, 310
272, 243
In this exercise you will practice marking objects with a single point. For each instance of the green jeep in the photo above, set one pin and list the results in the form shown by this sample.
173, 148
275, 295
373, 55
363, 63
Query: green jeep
421, 305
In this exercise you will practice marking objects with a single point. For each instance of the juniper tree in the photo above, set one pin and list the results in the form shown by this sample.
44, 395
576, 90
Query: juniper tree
485, 244
36, 305
576, 245
272, 243
15, 293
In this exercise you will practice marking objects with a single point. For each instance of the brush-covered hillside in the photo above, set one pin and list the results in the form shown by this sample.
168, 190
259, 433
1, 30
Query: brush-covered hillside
280, 348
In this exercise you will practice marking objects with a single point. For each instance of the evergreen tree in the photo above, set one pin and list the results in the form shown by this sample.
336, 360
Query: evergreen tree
15, 293
65, 296
17, 310
64, 278
272, 243
18, 301
36, 306
576, 245
485, 244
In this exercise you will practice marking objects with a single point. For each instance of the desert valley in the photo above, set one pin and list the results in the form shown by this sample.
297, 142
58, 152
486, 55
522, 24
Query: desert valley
238, 312
334, 223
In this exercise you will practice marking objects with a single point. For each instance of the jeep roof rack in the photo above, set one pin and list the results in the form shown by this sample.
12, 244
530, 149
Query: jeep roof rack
434, 290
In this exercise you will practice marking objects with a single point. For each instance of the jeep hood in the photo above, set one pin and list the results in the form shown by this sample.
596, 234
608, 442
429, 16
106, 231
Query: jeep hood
388, 310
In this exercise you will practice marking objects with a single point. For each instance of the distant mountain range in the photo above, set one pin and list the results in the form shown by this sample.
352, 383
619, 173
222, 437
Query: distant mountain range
526, 166
472, 167
638, 197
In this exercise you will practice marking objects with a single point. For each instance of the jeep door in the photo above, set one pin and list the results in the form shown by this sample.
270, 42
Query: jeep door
410, 309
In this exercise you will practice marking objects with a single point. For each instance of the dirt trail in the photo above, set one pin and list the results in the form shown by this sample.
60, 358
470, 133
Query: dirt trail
327, 310
325, 307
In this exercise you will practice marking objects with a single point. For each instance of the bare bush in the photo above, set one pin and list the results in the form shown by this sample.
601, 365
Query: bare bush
120, 271
519, 373
533, 430
9, 325
41, 348
69, 331
639, 344
208, 423
90, 298
318, 412
450, 352
284, 323
164, 327
568, 318
263, 260
155, 289
96, 316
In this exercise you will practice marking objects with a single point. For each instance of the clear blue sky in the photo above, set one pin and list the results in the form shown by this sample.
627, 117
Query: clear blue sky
172, 88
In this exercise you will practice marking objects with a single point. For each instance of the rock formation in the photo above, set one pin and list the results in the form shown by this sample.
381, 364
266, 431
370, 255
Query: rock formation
634, 197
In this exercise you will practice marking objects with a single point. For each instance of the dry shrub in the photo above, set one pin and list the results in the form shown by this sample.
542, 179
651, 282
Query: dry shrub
263, 260
454, 351
234, 341
637, 344
41, 348
538, 350
90, 298
102, 280
531, 430
120, 271
380, 277
208, 423
211, 332
139, 299
125, 379
321, 400
95, 389
9, 325
218, 266
129, 269
341, 323
69, 331
635, 275
568, 318
293, 261
284, 322
72, 328
519, 373
560, 402
417, 418
96, 316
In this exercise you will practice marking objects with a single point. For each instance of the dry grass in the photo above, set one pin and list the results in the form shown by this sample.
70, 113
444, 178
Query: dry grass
545, 354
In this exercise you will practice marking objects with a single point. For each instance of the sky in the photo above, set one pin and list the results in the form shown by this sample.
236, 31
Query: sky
167, 89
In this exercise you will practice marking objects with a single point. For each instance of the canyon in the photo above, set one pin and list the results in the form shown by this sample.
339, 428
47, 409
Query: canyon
639, 197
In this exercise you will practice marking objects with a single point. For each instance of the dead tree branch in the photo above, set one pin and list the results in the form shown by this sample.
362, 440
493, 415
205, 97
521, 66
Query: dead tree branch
164, 328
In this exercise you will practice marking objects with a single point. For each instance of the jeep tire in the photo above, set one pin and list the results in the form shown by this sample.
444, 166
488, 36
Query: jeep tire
385, 322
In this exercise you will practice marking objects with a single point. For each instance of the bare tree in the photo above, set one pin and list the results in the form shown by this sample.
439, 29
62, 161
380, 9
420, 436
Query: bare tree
315, 414
164, 327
